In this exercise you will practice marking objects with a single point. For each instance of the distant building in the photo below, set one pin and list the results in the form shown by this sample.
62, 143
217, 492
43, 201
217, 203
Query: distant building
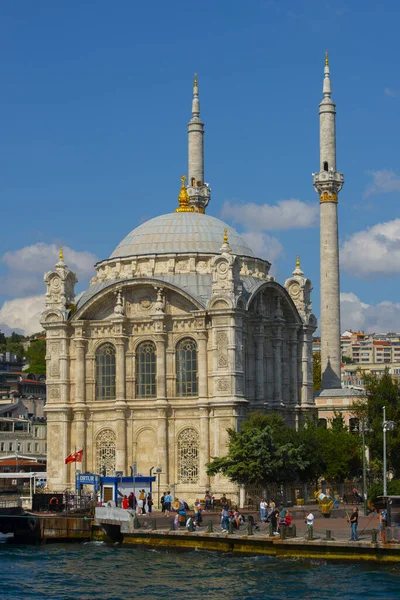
10, 362
22, 436
22, 385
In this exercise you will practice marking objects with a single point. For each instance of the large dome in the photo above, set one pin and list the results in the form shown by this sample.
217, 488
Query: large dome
178, 233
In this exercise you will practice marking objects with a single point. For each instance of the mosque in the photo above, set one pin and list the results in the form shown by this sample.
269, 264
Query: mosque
182, 332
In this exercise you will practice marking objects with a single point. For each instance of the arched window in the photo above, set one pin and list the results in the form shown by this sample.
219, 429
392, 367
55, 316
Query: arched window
146, 370
188, 456
105, 372
326, 166
186, 368
105, 450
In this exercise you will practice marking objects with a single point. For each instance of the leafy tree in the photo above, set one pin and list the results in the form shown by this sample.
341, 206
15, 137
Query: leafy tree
317, 371
15, 338
347, 360
3, 340
259, 453
36, 357
15, 348
381, 391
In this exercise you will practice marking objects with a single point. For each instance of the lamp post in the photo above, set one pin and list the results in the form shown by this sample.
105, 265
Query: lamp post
158, 471
362, 430
387, 426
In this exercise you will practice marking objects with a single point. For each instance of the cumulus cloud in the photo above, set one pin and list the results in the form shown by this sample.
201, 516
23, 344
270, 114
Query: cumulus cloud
358, 315
27, 266
373, 251
263, 245
391, 93
22, 314
286, 214
384, 181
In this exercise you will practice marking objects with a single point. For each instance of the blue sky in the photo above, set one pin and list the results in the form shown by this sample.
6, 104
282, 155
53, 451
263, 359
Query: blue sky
95, 100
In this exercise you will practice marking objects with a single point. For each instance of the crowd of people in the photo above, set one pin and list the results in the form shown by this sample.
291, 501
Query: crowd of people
142, 504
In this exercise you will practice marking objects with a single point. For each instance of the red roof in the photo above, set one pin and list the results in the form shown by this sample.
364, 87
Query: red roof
12, 462
379, 343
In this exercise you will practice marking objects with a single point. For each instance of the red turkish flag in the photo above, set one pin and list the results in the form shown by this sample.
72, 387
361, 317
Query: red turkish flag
75, 457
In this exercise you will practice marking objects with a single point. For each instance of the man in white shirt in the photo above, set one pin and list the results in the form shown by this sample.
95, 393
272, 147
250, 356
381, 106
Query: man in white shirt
263, 509
309, 521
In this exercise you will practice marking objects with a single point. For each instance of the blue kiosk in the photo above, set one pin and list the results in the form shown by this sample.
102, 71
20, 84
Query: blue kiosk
116, 487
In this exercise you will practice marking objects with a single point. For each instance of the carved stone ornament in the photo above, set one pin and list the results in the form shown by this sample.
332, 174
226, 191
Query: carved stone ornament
145, 303
222, 385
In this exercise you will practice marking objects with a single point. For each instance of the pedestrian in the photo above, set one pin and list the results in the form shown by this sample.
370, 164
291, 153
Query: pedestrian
353, 524
130, 500
207, 500
125, 502
149, 503
162, 502
309, 521
225, 517
263, 509
382, 525
142, 497
167, 503
274, 521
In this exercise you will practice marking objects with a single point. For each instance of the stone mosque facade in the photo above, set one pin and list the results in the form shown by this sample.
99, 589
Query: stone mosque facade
182, 333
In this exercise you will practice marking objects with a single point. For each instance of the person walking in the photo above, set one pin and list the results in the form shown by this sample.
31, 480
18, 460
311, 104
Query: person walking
125, 502
263, 509
162, 502
149, 503
274, 521
167, 503
225, 517
354, 524
130, 500
309, 522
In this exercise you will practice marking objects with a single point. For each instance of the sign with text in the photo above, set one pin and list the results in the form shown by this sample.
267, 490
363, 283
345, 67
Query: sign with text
87, 479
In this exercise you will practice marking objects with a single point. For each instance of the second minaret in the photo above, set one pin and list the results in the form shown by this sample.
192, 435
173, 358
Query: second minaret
328, 183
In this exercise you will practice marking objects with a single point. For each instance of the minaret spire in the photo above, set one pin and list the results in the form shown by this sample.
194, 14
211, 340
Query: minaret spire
198, 191
328, 183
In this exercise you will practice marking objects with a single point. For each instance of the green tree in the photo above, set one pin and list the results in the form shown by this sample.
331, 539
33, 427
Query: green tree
15, 348
317, 371
3, 340
259, 454
36, 357
381, 391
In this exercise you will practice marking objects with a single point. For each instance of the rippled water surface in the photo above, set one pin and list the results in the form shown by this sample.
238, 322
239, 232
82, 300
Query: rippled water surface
96, 571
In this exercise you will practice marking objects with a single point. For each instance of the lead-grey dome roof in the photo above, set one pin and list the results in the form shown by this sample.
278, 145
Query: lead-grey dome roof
178, 233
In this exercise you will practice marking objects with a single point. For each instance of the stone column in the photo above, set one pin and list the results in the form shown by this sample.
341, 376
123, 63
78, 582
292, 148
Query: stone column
269, 366
80, 436
242, 496
204, 455
120, 369
120, 454
293, 367
202, 365
162, 443
278, 366
259, 343
161, 367
80, 363
306, 358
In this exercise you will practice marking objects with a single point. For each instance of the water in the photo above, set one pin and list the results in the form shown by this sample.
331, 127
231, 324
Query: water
96, 571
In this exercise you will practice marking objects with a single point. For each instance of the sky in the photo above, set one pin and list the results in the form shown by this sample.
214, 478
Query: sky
94, 104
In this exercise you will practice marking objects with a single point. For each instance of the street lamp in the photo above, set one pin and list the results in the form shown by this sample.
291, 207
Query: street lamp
158, 471
363, 430
387, 426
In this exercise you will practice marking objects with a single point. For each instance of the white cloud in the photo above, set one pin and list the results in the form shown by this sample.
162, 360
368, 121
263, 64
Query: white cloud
22, 314
357, 315
373, 251
384, 181
263, 245
27, 266
391, 93
286, 214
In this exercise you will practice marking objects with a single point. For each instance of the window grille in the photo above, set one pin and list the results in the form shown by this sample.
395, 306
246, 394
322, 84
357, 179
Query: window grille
105, 372
186, 368
146, 370
188, 456
105, 445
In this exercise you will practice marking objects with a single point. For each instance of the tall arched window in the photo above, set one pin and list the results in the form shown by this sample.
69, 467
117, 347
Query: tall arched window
188, 456
105, 372
146, 370
186, 368
105, 450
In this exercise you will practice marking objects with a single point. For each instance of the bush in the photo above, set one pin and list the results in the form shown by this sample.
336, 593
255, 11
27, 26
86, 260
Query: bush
376, 489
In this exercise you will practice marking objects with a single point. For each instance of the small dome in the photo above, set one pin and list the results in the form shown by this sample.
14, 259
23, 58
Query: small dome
179, 233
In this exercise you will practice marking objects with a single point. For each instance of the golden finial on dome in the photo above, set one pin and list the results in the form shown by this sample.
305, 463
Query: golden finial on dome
195, 80
61, 255
297, 261
326, 58
225, 236
183, 198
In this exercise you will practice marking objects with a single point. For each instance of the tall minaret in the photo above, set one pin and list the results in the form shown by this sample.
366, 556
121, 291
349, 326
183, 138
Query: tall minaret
198, 191
328, 183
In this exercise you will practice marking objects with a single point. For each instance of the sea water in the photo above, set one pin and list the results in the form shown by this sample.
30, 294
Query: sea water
97, 571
